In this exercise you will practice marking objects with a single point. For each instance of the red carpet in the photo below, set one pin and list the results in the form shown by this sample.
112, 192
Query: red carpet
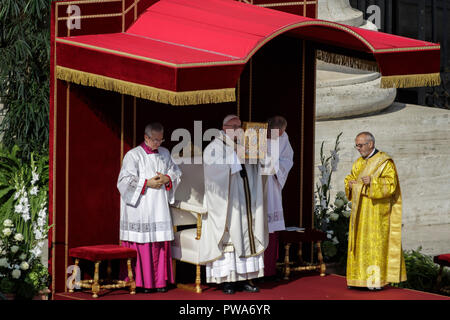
304, 287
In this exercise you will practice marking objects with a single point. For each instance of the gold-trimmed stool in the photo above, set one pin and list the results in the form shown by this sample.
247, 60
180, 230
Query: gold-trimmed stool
313, 236
97, 254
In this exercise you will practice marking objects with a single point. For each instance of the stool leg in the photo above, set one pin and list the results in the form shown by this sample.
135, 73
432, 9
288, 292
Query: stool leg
77, 261
198, 288
320, 258
287, 268
300, 253
96, 285
109, 270
439, 279
130, 278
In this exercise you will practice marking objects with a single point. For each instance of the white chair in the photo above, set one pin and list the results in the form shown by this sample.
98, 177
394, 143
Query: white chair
187, 210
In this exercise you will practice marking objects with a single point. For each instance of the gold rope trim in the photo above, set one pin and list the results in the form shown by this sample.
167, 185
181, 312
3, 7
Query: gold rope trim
347, 61
411, 80
146, 92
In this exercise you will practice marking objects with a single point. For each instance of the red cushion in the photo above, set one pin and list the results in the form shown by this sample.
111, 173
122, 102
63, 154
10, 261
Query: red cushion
102, 252
443, 259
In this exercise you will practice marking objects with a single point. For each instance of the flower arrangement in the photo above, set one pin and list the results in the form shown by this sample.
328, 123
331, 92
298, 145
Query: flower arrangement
331, 218
24, 223
21, 270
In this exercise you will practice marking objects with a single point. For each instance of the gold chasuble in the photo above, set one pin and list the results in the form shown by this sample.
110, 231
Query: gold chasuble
375, 256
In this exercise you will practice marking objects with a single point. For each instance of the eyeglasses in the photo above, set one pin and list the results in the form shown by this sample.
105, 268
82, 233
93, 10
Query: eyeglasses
156, 140
359, 146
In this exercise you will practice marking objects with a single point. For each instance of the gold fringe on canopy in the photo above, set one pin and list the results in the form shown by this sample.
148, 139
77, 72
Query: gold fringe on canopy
146, 92
411, 80
347, 61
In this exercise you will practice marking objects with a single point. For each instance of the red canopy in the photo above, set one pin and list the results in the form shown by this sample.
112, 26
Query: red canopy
189, 52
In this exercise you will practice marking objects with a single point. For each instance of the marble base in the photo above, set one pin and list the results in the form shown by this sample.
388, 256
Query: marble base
343, 92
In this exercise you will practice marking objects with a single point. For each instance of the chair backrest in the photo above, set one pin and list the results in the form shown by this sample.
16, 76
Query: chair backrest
189, 194
192, 187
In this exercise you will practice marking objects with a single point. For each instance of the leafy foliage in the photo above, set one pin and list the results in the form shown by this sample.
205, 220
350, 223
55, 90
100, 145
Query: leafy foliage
24, 74
422, 272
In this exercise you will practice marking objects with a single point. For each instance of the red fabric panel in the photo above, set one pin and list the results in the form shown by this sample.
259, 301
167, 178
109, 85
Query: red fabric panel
115, 66
443, 259
102, 252
143, 46
94, 165
412, 62
138, 71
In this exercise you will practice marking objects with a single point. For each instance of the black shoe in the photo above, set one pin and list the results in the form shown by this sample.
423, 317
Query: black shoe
161, 290
143, 290
248, 287
228, 288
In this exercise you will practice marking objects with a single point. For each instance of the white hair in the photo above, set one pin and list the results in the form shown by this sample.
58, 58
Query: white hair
229, 118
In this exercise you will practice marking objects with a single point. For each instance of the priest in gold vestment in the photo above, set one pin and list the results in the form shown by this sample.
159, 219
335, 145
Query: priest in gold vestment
375, 256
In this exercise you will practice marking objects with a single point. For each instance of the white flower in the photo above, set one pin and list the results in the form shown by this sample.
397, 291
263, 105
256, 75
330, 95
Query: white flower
329, 236
35, 176
346, 213
330, 231
322, 168
339, 203
335, 240
23, 256
14, 249
38, 234
7, 231
36, 251
18, 237
40, 222
4, 262
26, 216
24, 265
34, 191
349, 204
16, 273
334, 217
18, 208
8, 223
323, 203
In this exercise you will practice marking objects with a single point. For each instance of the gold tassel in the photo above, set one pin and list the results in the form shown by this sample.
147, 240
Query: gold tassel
411, 80
146, 92
347, 61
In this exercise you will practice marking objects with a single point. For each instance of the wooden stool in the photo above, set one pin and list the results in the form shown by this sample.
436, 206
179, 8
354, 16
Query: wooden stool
444, 261
289, 237
97, 254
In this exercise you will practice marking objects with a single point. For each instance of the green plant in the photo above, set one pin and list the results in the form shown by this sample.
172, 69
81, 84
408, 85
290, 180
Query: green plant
332, 218
422, 272
24, 74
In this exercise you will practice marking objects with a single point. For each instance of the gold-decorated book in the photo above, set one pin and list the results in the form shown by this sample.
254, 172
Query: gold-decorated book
255, 139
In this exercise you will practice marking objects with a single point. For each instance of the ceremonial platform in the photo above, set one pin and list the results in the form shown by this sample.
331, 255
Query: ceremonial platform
299, 287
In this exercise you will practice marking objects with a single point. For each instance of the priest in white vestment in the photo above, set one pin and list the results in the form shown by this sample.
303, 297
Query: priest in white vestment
147, 183
282, 160
234, 231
